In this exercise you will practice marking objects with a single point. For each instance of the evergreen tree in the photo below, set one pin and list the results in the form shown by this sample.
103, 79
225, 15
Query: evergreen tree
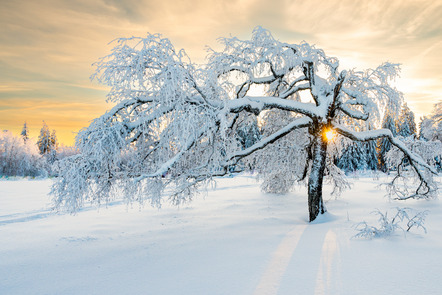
25, 132
53, 141
425, 124
384, 145
47, 141
372, 155
353, 158
358, 156
430, 127
248, 133
406, 123
430, 131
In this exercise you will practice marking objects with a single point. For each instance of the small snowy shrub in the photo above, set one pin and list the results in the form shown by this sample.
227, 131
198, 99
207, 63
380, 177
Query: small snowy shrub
19, 157
403, 219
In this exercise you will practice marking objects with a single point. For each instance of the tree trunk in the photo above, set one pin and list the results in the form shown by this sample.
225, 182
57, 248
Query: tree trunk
315, 202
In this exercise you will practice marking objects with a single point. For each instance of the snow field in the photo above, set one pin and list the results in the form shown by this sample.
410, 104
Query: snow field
236, 240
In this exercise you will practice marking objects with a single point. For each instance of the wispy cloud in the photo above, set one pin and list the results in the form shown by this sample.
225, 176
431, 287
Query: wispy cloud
47, 46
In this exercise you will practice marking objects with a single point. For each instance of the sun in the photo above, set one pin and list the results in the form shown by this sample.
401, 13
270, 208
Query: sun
330, 134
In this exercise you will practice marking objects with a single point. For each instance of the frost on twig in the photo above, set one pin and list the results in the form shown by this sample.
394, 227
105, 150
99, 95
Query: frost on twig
410, 180
402, 219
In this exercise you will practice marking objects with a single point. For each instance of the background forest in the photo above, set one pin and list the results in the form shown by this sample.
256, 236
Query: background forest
26, 156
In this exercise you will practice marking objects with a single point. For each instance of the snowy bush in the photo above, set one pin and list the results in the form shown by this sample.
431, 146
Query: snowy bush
19, 157
402, 219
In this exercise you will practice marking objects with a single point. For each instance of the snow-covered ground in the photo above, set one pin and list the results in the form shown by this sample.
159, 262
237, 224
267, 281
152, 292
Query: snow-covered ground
236, 240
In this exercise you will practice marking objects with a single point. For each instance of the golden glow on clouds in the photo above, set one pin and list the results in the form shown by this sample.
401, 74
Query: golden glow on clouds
47, 46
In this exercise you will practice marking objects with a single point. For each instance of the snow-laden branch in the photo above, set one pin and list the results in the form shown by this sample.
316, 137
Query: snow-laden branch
257, 104
294, 89
166, 166
426, 187
149, 118
296, 124
381, 133
353, 113
371, 92
124, 105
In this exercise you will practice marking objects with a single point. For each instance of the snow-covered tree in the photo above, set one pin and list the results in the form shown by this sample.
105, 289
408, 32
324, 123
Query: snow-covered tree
358, 156
19, 158
248, 132
384, 145
175, 123
406, 123
430, 127
53, 140
25, 132
430, 136
372, 155
401, 123
47, 140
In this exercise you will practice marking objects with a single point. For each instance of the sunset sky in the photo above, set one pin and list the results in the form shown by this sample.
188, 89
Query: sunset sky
47, 47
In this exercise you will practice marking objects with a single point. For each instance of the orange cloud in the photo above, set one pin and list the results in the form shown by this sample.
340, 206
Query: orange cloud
47, 46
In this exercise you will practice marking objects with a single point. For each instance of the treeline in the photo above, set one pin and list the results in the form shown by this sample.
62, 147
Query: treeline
23, 156
372, 155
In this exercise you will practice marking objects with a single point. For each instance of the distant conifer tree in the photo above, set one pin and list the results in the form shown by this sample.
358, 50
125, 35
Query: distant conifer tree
406, 123
384, 145
25, 132
47, 141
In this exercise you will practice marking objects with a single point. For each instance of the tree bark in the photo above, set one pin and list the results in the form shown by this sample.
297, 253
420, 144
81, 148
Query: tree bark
315, 201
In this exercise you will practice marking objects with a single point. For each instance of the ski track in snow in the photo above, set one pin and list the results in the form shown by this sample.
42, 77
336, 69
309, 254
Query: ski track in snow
328, 280
44, 213
277, 266
24, 217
